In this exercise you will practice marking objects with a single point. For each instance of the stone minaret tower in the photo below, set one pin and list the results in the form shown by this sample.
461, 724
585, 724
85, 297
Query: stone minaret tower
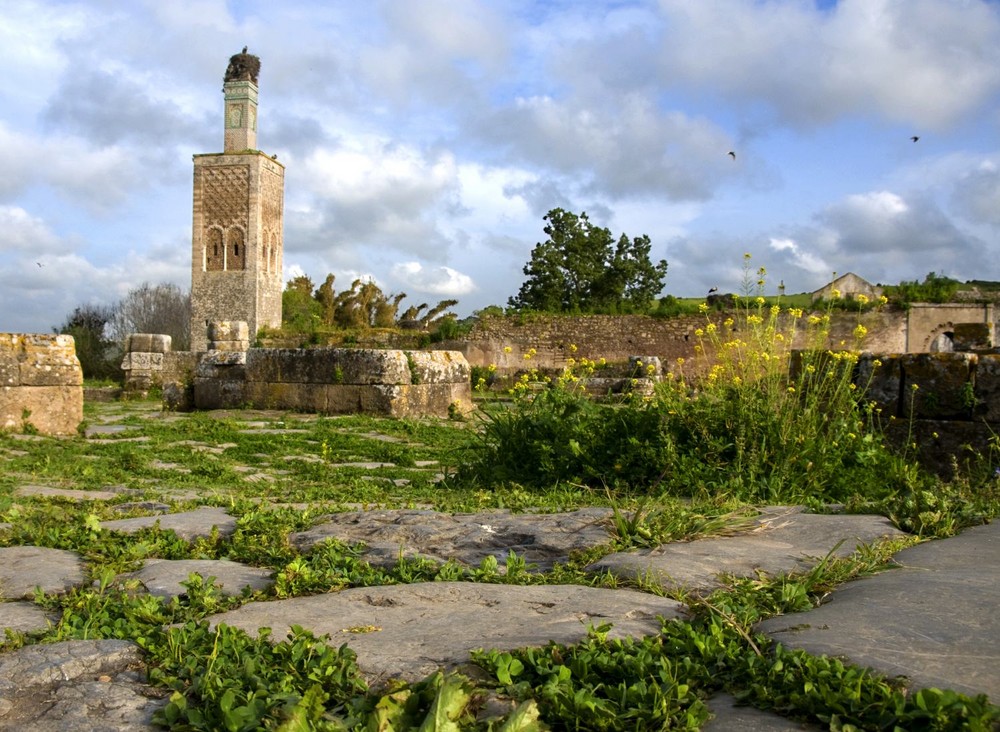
236, 237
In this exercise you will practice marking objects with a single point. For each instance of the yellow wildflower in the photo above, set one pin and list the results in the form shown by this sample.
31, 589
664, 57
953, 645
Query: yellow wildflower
836, 294
860, 331
759, 300
680, 360
861, 298
507, 349
710, 328
572, 348
728, 323
883, 300
703, 307
699, 332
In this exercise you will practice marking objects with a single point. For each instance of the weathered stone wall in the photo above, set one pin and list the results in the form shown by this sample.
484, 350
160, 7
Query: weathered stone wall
335, 381
504, 341
41, 384
944, 403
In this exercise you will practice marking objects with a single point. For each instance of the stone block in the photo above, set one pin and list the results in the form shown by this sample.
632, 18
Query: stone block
218, 393
987, 387
221, 365
437, 367
10, 371
149, 343
343, 398
972, 336
328, 366
944, 385
881, 377
52, 410
228, 330
43, 360
417, 400
230, 345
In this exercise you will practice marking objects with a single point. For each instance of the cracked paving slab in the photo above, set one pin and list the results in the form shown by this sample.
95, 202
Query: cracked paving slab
77, 685
468, 538
410, 631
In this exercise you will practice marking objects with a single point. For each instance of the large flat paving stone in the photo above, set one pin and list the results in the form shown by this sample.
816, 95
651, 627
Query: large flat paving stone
163, 577
785, 540
189, 525
44, 491
409, 631
76, 685
541, 539
23, 568
24, 617
934, 618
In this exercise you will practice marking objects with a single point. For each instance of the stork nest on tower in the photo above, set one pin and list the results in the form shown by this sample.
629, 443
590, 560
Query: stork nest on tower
243, 67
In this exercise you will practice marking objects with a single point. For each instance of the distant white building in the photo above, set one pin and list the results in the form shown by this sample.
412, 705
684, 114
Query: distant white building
849, 286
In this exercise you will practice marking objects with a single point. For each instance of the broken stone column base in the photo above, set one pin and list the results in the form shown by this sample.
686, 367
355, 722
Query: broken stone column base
41, 384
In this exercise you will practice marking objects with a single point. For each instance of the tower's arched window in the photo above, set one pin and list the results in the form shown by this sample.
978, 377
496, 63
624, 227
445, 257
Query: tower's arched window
237, 260
214, 253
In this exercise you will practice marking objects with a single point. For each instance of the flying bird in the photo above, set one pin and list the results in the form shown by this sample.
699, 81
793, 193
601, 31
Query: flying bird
39, 264
914, 138
712, 289
732, 155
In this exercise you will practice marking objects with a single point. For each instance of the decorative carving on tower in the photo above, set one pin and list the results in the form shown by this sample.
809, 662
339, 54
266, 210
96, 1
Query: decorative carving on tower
238, 218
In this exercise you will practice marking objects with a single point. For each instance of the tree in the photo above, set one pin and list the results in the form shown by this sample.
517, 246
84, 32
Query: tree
162, 308
363, 306
100, 356
300, 311
326, 298
580, 268
935, 288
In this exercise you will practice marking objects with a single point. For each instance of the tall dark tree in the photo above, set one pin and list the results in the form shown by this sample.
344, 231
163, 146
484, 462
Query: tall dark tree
100, 356
580, 268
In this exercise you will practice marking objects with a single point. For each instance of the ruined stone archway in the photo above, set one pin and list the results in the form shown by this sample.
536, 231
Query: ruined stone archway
941, 339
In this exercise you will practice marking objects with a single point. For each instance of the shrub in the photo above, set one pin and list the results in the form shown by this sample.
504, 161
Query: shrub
748, 426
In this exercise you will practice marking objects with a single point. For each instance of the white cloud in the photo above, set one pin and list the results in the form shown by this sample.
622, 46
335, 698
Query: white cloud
442, 281
806, 261
22, 231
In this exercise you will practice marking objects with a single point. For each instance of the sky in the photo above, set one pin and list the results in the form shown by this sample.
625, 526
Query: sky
425, 140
